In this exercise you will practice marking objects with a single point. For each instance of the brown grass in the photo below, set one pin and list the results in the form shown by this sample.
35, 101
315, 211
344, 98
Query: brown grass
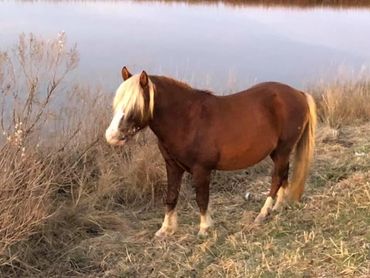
73, 206
343, 103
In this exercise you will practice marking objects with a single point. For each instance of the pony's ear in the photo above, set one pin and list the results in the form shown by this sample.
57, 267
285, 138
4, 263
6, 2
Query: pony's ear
125, 74
143, 79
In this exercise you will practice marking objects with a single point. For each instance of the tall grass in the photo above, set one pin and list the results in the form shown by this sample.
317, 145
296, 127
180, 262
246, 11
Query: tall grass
61, 184
344, 103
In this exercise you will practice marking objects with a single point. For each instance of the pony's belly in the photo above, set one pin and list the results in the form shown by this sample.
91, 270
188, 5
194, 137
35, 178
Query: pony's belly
231, 160
237, 164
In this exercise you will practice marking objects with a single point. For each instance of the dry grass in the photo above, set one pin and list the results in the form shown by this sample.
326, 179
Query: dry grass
326, 236
73, 206
344, 103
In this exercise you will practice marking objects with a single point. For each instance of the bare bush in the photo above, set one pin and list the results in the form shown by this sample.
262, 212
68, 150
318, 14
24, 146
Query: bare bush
30, 77
54, 163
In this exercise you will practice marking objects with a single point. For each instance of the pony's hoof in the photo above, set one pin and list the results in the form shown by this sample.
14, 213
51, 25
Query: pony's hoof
259, 220
277, 208
203, 233
162, 233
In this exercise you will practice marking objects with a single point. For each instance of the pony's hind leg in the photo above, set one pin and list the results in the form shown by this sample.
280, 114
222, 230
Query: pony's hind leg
278, 184
281, 196
174, 176
201, 178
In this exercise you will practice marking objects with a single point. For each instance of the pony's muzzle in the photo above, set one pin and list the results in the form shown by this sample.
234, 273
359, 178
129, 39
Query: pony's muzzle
115, 138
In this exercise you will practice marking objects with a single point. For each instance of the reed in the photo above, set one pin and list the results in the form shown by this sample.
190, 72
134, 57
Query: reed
344, 103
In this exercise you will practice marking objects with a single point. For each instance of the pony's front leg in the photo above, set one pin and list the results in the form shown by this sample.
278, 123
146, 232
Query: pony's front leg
174, 176
201, 178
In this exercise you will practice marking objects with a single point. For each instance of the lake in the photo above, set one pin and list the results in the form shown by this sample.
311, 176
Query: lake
216, 46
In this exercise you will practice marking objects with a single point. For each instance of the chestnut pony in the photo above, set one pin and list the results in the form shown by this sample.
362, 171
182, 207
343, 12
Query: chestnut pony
199, 132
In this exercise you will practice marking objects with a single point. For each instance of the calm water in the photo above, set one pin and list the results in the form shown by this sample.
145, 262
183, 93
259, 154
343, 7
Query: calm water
220, 47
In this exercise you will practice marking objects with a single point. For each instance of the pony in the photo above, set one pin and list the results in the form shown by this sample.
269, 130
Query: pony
199, 131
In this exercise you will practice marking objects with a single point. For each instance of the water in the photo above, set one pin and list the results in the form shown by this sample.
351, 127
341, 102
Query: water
219, 47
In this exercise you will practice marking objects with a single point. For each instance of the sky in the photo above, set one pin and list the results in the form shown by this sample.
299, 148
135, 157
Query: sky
216, 47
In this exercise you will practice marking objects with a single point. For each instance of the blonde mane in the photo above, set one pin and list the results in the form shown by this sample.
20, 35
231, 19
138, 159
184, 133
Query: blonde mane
130, 97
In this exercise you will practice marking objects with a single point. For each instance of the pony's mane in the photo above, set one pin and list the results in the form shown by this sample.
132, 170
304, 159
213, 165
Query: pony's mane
181, 84
177, 82
130, 96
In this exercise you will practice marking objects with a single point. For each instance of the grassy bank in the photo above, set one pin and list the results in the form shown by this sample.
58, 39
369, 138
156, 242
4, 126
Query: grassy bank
73, 206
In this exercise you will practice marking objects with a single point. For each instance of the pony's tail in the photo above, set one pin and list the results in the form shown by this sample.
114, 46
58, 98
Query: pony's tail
303, 153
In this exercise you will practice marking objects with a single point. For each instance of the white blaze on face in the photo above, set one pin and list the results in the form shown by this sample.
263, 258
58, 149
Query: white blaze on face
129, 98
112, 134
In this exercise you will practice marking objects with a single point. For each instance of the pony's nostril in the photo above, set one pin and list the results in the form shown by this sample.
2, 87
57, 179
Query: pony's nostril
112, 136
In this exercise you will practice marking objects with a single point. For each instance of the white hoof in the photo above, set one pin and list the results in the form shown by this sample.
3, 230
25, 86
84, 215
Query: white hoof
280, 202
203, 233
259, 219
278, 206
266, 209
164, 232
205, 223
169, 225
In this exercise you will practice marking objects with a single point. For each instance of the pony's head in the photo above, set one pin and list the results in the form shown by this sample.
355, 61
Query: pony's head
133, 107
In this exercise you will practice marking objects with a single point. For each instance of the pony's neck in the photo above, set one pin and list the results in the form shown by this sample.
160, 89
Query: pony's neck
173, 102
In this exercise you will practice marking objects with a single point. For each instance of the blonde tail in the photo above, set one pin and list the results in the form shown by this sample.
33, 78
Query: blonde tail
303, 154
